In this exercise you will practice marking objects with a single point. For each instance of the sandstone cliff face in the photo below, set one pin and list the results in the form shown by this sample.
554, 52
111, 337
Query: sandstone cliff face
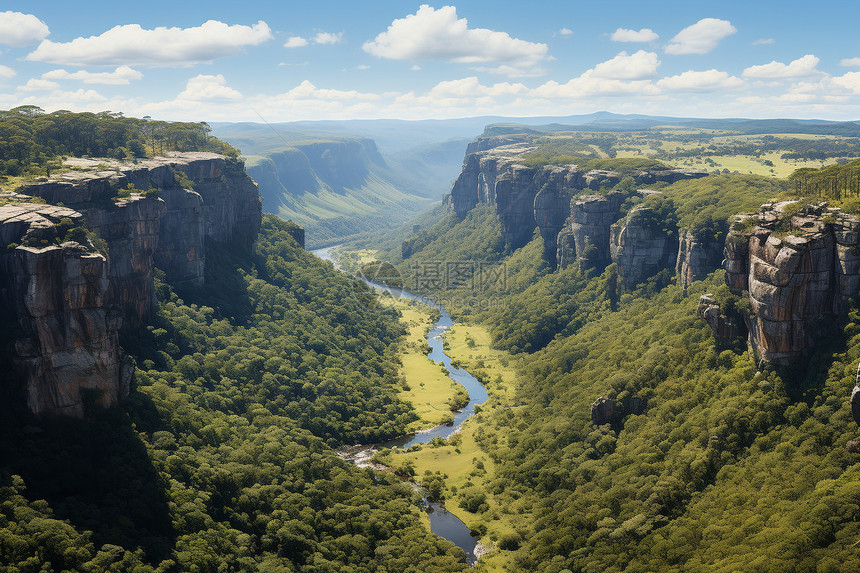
71, 302
640, 248
69, 342
697, 257
527, 197
591, 218
798, 264
131, 230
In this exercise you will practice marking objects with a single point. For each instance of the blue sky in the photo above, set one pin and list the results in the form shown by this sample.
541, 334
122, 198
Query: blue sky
286, 61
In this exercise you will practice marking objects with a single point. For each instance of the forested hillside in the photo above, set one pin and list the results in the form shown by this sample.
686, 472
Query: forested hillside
722, 467
221, 456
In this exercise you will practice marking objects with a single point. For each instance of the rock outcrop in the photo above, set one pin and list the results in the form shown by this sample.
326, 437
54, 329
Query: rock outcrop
71, 302
607, 411
527, 197
641, 247
799, 265
65, 348
724, 327
697, 257
591, 218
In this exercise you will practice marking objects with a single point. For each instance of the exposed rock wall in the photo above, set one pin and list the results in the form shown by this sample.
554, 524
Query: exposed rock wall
697, 257
131, 230
527, 197
591, 219
640, 248
709, 310
69, 342
181, 245
799, 266
70, 301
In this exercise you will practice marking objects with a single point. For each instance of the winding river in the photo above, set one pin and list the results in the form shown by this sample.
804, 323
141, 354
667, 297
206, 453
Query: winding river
442, 522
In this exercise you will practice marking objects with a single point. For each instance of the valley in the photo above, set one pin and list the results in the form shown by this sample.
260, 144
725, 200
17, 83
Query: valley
597, 349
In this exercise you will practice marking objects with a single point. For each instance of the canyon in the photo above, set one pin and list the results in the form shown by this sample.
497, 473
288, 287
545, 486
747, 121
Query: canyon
589, 229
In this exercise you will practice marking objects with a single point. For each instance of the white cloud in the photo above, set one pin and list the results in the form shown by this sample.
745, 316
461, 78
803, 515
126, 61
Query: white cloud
120, 76
565, 32
512, 71
431, 34
362, 67
208, 88
295, 42
763, 41
328, 38
472, 87
415, 67
709, 80
307, 90
588, 85
636, 66
803, 66
850, 62
36, 84
625, 35
701, 37
17, 29
849, 81
7, 72
133, 45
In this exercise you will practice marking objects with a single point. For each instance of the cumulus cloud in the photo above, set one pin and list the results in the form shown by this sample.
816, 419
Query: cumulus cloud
701, 37
208, 88
120, 76
328, 38
307, 90
295, 42
763, 41
132, 45
471, 86
625, 35
18, 29
7, 72
709, 80
850, 62
849, 81
636, 66
588, 85
803, 66
35, 84
431, 34
565, 32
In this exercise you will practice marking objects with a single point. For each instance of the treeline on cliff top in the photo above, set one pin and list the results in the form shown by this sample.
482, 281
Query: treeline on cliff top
727, 469
33, 142
221, 459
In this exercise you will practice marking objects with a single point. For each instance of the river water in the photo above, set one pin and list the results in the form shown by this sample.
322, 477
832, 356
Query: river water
442, 522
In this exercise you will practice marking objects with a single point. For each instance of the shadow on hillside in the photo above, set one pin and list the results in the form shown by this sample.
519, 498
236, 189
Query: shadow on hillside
96, 473
805, 384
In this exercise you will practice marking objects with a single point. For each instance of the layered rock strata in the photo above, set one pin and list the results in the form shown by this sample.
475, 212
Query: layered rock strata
640, 247
65, 346
526, 197
798, 264
70, 301
697, 257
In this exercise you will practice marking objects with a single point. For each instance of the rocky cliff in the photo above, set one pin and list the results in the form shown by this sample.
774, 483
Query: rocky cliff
641, 247
798, 264
64, 342
527, 197
70, 301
